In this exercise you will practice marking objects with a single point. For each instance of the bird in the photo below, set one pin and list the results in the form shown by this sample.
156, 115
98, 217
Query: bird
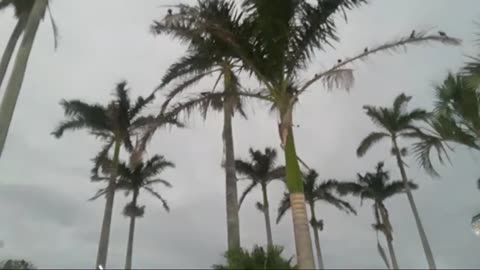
169, 11
339, 61
203, 93
441, 33
412, 35
366, 49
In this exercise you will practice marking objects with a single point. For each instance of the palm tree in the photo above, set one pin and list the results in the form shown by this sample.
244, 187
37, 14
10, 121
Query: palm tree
258, 258
377, 187
29, 13
207, 56
22, 10
277, 44
397, 123
139, 176
114, 124
261, 170
314, 192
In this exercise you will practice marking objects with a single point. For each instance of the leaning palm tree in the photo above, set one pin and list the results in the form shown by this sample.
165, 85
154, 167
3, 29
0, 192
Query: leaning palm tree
314, 192
132, 179
21, 11
261, 170
398, 123
377, 187
207, 56
276, 46
114, 124
29, 14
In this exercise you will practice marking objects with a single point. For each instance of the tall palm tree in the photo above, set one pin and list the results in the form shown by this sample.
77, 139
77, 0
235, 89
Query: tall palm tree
397, 123
378, 188
136, 177
261, 170
29, 14
207, 56
277, 44
114, 124
314, 192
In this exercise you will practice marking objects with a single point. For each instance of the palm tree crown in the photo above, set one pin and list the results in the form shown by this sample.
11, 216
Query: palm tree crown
315, 191
261, 170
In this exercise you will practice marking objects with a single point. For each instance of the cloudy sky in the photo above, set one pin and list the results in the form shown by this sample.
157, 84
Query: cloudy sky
44, 182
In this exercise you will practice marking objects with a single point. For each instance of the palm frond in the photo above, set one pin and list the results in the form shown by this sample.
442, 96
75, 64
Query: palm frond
158, 196
400, 103
335, 201
158, 180
420, 38
369, 141
99, 193
283, 207
339, 79
246, 192
396, 187
72, 124
423, 149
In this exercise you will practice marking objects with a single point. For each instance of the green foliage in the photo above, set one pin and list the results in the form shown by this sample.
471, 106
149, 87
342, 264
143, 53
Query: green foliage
258, 258
20, 7
16, 265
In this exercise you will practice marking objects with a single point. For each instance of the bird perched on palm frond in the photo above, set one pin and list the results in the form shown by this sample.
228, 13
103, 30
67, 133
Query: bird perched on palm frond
412, 35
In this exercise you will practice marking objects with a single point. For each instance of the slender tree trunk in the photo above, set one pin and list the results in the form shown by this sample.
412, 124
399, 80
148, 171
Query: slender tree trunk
303, 243
316, 238
421, 231
388, 235
266, 213
131, 232
18, 72
12, 43
107, 215
233, 224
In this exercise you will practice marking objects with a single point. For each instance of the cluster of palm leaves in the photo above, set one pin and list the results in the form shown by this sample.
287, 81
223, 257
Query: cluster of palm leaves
274, 45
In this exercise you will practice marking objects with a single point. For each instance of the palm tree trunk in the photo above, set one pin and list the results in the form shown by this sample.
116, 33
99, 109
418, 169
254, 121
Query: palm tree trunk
388, 235
18, 72
12, 43
131, 232
421, 231
107, 215
303, 243
233, 224
316, 238
266, 213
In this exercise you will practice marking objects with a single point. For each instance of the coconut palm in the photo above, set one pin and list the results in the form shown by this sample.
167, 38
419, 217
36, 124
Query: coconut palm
315, 192
132, 179
377, 187
114, 124
258, 258
260, 170
397, 123
28, 13
277, 44
207, 56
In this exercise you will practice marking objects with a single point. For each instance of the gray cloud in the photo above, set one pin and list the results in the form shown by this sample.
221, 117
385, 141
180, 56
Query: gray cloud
44, 182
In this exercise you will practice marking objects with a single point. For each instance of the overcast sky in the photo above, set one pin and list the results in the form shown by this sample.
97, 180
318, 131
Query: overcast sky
44, 182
